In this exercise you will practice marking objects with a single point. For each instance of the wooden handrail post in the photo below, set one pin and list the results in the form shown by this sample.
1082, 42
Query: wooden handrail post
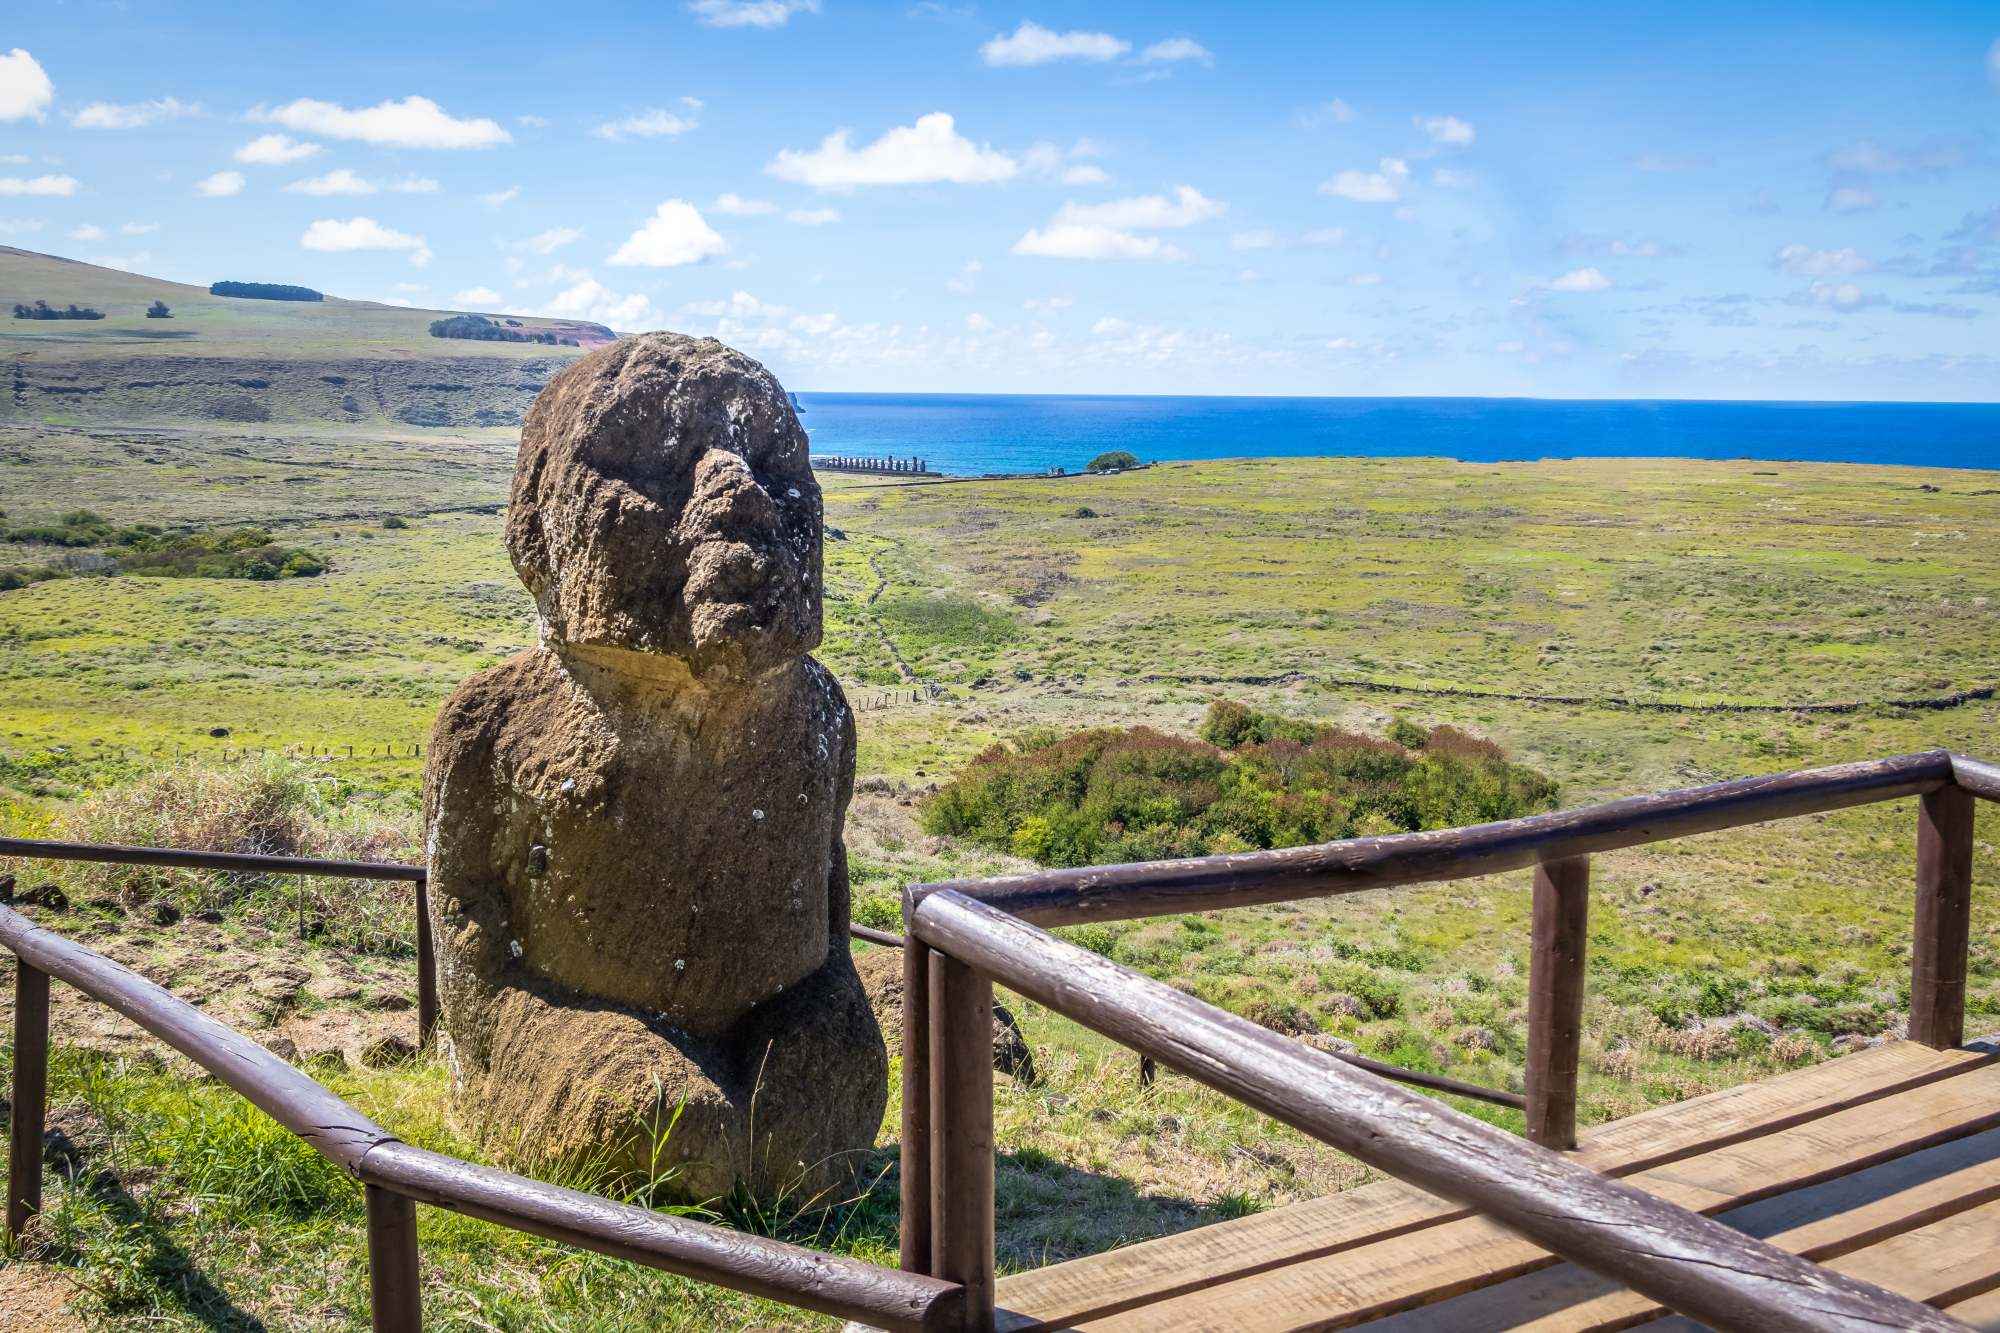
1943, 927
1561, 923
916, 1160
31, 1095
395, 1290
427, 981
961, 1032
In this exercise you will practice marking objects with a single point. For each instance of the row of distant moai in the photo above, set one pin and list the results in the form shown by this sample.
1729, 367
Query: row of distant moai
836, 463
639, 888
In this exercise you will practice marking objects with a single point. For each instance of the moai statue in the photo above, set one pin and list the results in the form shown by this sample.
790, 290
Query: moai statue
638, 884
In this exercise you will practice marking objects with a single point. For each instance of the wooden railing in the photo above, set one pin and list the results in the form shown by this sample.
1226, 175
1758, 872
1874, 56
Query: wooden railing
961, 936
395, 1176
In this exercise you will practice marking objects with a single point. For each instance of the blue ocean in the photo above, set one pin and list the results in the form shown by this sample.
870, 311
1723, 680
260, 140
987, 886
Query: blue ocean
970, 434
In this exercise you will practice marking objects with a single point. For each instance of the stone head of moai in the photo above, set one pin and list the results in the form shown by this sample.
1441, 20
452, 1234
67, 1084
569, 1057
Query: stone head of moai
666, 505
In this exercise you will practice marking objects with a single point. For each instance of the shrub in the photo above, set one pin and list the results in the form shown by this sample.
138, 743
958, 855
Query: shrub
264, 291
1108, 795
43, 310
393, 522
159, 310
1083, 511
1116, 458
878, 911
1407, 733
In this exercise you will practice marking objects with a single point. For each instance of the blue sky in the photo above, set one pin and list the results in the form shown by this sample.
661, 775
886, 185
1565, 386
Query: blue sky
1769, 201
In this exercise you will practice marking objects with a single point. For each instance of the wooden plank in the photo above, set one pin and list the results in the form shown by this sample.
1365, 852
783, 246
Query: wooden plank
1175, 1265
1558, 949
1977, 776
1158, 888
1566, 1299
1943, 927
1385, 1277
1695, 1265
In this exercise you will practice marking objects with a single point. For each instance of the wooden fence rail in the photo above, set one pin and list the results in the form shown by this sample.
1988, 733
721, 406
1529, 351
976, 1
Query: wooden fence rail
397, 1176
970, 932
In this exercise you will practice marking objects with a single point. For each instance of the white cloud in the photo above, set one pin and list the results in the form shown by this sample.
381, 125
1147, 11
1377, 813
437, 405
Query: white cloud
24, 88
1993, 64
1803, 259
1050, 306
1341, 345
1664, 162
408, 287
1848, 199
1085, 174
1102, 231
64, 185
1252, 240
1249, 275
19, 225
136, 115
978, 323
532, 122
737, 204
967, 279
414, 122
1090, 148
1094, 242
331, 234
1383, 187
1581, 280
812, 217
476, 296
1451, 180
127, 263
139, 228
1326, 236
1032, 44
1176, 48
548, 242
1834, 296
930, 150
651, 124
498, 197
1151, 210
1109, 324
1364, 280
588, 298
1445, 131
341, 181
750, 13
675, 234
220, 184
274, 150
89, 231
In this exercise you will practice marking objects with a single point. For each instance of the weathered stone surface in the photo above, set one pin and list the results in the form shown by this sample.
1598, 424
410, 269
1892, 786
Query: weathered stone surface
639, 889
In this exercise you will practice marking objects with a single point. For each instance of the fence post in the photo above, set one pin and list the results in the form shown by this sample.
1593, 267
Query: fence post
1561, 922
395, 1291
961, 1031
916, 1163
1943, 927
31, 1095
427, 983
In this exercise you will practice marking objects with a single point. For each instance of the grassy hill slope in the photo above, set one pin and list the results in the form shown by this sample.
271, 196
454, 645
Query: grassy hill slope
225, 359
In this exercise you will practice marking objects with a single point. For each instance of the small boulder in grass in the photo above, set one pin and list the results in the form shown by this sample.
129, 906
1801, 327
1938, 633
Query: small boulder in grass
384, 1052
282, 1047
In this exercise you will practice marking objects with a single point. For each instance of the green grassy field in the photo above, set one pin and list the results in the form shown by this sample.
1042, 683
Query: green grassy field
1267, 582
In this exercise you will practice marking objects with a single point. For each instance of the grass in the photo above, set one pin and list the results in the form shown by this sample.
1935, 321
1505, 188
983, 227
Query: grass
1258, 582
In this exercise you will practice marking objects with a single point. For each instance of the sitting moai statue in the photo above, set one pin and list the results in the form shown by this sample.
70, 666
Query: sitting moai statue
638, 884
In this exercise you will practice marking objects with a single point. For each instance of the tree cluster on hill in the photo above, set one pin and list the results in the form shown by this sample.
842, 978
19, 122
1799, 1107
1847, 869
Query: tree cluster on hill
43, 310
159, 310
478, 328
1117, 460
264, 291
1107, 796
149, 550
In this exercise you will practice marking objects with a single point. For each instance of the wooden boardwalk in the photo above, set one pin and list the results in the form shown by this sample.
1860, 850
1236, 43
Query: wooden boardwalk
1883, 1165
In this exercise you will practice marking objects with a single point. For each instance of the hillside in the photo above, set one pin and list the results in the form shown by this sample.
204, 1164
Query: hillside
224, 359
